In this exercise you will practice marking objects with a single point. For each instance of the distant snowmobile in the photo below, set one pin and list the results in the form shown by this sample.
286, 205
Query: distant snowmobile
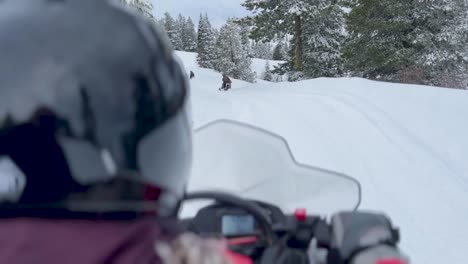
226, 83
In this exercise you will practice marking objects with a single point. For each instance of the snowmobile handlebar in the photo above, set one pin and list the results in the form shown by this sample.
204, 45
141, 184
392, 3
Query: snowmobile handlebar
353, 237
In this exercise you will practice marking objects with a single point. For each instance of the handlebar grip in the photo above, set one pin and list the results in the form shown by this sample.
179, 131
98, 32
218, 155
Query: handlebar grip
363, 237
382, 254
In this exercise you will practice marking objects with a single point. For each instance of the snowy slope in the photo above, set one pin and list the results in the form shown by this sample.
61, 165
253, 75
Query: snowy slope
406, 144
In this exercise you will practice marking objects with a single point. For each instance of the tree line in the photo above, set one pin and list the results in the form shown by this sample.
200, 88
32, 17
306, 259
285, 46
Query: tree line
181, 32
228, 50
410, 41
224, 50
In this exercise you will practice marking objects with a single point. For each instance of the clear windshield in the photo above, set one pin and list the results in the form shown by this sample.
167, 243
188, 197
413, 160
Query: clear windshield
257, 164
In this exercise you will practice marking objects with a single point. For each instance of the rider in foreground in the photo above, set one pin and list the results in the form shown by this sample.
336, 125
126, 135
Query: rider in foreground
95, 142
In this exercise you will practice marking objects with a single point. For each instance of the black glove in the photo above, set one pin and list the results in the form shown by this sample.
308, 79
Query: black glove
363, 238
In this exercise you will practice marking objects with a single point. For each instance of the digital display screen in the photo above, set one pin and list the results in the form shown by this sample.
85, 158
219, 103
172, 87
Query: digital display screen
233, 225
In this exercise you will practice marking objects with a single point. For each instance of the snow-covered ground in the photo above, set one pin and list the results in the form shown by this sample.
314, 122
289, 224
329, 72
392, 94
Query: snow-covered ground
406, 144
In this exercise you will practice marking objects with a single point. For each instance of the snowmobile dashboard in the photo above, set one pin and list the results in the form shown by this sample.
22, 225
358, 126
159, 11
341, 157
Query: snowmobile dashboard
252, 228
265, 234
220, 219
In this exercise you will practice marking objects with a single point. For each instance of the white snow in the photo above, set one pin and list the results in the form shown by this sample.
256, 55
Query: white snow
406, 144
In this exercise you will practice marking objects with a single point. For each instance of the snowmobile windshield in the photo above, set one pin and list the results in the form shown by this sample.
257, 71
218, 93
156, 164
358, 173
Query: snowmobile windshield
257, 164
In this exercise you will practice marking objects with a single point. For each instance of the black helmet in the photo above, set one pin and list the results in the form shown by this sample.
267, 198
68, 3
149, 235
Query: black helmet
93, 109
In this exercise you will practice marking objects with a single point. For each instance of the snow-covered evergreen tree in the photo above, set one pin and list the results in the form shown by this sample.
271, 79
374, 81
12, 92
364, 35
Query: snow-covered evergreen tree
279, 52
275, 19
409, 41
262, 51
189, 36
181, 32
176, 37
231, 57
267, 75
215, 33
317, 30
445, 54
172, 31
224, 54
160, 23
380, 42
144, 6
323, 33
245, 37
206, 44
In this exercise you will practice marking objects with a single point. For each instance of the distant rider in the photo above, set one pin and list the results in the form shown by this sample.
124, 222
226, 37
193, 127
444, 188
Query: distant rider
226, 82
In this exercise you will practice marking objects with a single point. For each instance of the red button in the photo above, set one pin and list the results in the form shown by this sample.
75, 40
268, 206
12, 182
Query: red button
390, 261
300, 214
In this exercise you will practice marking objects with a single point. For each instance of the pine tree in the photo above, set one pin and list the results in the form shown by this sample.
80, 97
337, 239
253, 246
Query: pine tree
160, 23
245, 33
324, 35
171, 30
444, 57
379, 42
273, 19
224, 53
176, 39
279, 52
144, 6
262, 51
215, 32
189, 36
205, 44
408, 41
232, 58
267, 76
317, 28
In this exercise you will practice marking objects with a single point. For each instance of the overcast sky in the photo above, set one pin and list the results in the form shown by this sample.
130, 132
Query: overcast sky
218, 10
